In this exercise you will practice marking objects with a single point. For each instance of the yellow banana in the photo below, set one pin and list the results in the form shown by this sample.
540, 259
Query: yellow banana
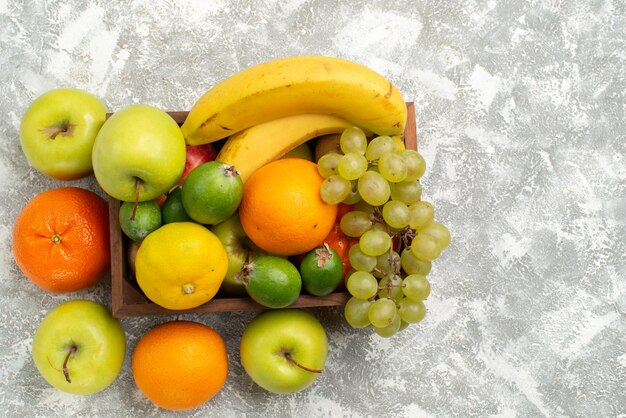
254, 147
297, 85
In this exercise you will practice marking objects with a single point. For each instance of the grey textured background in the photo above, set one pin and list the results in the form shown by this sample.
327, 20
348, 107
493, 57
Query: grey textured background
520, 112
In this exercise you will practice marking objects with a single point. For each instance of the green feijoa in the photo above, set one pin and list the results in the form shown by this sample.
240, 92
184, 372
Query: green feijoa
212, 192
173, 210
146, 218
271, 281
321, 270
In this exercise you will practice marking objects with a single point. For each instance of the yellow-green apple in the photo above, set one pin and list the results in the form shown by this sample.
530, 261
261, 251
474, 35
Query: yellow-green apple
197, 155
79, 347
139, 154
239, 249
58, 131
284, 350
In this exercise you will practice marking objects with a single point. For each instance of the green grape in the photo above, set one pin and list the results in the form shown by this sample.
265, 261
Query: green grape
439, 232
403, 325
327, 164
411, 311
359, 260
387, 263
412, 265
353, 197
415, 164
363, 206
391, 329
362, 285
356, 312
353, 140
382, 312
394, 291
421, 214
378, 146
380, 226
334, 189
375, 242
396, 214
355, 223
407, 192
416, 287
373, 188
425, 247
352, 166
392, 167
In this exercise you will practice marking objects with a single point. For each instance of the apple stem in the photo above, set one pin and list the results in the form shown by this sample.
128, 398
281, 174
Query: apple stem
132, 217
66, 371
291, 359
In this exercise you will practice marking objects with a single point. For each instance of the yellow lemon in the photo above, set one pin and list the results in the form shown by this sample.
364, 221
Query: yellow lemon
181, 265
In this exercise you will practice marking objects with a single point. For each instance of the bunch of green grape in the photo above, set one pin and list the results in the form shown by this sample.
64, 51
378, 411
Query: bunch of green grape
398, 237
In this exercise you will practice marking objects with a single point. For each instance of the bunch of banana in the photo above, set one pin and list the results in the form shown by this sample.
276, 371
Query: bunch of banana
271, 108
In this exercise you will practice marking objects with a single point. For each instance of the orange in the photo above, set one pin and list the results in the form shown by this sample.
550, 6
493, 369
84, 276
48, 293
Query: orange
282, 211
180, 365
61, 239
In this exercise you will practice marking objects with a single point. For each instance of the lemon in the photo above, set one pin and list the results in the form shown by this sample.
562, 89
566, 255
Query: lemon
181, 265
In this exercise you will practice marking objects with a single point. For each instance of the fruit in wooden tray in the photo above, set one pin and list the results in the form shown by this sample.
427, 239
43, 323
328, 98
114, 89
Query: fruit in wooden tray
61, 239
139, 154
173, 209
301, 151
180, 365
281, 210
271, 281
196, 155
79, 347
138, 220
239, 249
258, 145
321, 270
297, 85
181, 265
397, 236
284, 350
212, 192
58, 131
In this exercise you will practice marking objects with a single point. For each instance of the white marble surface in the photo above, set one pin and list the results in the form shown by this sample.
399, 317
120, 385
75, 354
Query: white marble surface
520, 112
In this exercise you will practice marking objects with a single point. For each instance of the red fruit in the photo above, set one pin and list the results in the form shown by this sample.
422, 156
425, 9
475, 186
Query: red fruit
339, 242
197, 155
342, 209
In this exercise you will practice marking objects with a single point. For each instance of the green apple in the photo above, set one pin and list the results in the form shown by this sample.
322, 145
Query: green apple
284, 350
239, 249
79, 347
302, 151
58, 131
139, 151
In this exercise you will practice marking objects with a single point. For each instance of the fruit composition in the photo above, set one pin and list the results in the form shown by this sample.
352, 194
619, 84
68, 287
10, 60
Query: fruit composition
287, 181
61, 239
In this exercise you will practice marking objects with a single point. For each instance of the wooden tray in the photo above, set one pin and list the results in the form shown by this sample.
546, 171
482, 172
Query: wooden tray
128, 299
